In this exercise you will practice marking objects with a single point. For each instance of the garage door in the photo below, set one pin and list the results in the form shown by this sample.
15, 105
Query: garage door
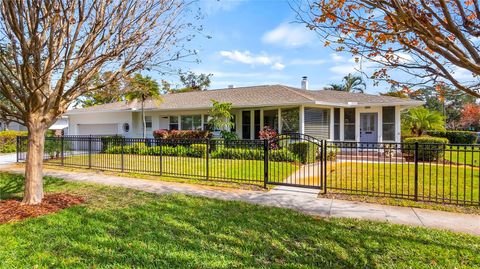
97, 129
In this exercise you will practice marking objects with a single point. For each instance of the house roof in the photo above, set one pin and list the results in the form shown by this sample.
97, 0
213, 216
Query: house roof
255, 96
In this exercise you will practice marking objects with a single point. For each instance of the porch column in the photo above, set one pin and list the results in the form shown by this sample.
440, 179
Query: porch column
279, 120
301, 118
342, 122
357, 124
252, 124
380, 125
332, 124
398, 122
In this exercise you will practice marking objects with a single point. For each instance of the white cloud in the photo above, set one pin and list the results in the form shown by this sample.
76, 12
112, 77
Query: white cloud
278, 66
289, 35
337, 58
244, 75
246, 57
462, 74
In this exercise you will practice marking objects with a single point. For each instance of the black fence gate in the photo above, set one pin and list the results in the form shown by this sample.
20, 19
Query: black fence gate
309, 169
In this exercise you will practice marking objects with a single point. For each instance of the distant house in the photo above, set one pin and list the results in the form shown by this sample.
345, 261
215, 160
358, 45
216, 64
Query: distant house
324, 114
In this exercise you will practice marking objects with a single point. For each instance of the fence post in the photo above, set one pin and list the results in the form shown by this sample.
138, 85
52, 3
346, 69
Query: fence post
62, 149
90, 151
207, 159
122, 154
324, 165
161, 156
265, 163
18, 149
415, 159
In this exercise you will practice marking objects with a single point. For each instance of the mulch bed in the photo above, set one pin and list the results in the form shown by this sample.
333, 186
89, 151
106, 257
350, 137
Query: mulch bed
14, 210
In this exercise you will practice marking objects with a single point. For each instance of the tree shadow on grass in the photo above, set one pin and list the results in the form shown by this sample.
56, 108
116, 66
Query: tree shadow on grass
12, 185
176, 231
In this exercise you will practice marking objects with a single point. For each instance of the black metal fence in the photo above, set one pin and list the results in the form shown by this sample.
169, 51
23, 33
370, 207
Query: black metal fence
240, 161
423, 172
441, 173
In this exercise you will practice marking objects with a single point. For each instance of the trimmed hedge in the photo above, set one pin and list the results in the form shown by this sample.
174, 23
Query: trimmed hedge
276, 155
181, 134
8, 140
307, 152
200, 150
456, 137
109, 141
429, 148
142, 149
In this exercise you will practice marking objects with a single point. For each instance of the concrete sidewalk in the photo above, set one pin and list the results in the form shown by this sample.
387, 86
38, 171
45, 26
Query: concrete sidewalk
304, 200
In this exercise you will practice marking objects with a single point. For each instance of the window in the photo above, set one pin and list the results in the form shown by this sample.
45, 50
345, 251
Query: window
148, 123
317, 122
270, 119
193, 122
290, 120
388, 123
173, 123
349, 123
246, 124
336, 123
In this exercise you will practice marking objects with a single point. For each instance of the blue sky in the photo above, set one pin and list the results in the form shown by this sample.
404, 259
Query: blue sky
257, 42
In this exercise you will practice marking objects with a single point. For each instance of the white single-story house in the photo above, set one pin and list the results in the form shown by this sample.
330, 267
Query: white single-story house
324, 114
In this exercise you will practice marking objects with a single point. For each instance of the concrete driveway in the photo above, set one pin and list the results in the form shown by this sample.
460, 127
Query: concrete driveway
8, 158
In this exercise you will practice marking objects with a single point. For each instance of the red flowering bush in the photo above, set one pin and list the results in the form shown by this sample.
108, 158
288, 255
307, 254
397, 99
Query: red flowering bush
181, 134
267, 133
270, 135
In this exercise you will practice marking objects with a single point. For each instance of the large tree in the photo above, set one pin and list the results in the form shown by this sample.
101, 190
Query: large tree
431, 40
51, 50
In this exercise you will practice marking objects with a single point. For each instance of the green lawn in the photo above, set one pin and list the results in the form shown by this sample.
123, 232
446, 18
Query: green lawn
469, 155
435, 181
121, 228
250, 171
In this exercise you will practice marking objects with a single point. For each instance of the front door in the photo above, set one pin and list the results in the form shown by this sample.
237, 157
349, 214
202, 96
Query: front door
368, 127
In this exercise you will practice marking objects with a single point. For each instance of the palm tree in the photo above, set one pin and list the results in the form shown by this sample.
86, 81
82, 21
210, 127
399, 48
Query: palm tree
142, 88
418, 120
335, 87
353, 84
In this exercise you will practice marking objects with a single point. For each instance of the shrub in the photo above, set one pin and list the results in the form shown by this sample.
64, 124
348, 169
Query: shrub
429, 148
108, 141
195, 150
8, 140
456, 137
199, 150
332, 151
307, 152
282, 155
238, 153
182, 134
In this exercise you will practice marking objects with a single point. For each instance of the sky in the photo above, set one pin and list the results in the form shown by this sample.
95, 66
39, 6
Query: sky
257, 42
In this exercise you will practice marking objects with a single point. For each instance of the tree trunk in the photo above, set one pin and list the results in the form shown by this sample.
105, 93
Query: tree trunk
33, 193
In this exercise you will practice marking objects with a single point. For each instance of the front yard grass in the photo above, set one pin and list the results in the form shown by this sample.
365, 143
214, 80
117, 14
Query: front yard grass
469, 155
122, 228
437, 183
